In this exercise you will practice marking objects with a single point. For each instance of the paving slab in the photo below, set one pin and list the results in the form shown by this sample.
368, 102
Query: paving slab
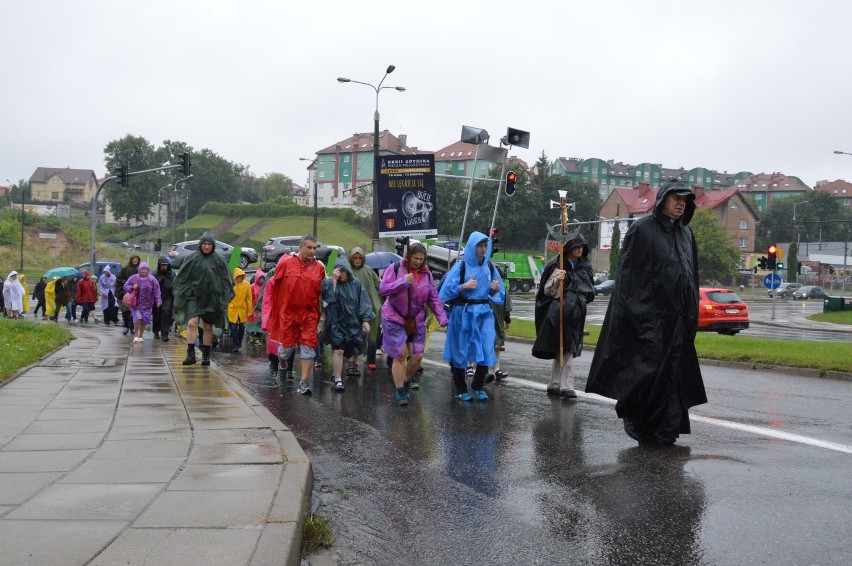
144, 448
125, 470
16, 488
208, 509
55, 441
240, 477
90, 502
70, 542
42, 460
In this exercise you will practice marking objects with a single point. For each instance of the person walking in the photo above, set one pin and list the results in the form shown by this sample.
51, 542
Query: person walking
50, 298
25, 300
502, 320
295, 306
38, 296
253, 320
202, 291
63, 300
471, 285
645, 358
87, 294
72, 290
106, 289
239, 309
408, 289
348, 313
147, 291
162, 321
576, 283
371, 283
126, 272
13, 296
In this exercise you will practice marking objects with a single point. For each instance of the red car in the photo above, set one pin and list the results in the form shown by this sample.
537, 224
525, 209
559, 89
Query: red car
722, 311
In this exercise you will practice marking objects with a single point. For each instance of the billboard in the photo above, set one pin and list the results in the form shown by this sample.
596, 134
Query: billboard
606, 233
406, 192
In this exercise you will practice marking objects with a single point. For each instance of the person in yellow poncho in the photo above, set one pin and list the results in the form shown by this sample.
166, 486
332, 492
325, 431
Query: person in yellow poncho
239, 308
50, 297
22, 279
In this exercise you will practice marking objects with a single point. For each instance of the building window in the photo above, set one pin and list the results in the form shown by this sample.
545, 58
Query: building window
647, 175
322, 174
743, 242
733, 205
346, 159
743, 224
585, 168
54, 195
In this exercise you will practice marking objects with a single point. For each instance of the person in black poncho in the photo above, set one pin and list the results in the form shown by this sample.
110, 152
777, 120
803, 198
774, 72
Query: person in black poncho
645, 357
202, 290
577, 290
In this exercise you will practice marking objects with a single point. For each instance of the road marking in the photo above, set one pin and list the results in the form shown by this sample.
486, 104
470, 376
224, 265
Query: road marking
759, 430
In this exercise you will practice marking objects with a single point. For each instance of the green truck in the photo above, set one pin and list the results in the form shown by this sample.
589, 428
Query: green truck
523, 271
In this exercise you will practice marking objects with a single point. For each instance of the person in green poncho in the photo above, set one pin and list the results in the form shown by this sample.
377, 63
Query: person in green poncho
202, 290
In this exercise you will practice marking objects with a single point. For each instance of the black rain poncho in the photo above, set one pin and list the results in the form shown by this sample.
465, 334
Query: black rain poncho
203, 286
348, 306
578, 290
645, 357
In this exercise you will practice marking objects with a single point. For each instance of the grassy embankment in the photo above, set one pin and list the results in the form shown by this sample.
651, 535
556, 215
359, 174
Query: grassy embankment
824, 356
24, 342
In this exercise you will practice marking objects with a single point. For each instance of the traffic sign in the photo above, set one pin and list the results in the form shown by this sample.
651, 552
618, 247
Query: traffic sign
772, 281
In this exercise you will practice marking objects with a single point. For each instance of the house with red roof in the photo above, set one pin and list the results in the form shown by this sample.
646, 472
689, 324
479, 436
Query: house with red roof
839, 189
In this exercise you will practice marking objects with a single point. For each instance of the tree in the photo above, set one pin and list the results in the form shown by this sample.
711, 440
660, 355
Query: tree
275, 185
776, 224
792, 263
718, 256
542, 168
22, 186
615, 250
135, 201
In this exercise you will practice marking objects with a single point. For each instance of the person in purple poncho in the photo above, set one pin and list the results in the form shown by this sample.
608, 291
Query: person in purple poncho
147, 295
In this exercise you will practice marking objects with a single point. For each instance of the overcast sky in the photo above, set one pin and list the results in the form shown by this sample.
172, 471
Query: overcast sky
736, 85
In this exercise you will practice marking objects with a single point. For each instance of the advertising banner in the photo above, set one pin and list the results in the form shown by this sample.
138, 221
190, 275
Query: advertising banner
406, 193
607, 228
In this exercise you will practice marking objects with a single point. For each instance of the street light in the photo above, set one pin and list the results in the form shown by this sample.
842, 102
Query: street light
378, 88
159, 209
838, 152
796, 228
313, 161
185, 206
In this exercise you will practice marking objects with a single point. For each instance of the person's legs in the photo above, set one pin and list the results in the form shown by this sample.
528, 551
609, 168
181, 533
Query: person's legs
566, 381
241, 331
155, 321
554, 387
336, 362
191, 335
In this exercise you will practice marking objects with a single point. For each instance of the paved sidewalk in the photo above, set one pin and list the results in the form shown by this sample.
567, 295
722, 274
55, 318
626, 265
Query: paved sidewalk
114, 453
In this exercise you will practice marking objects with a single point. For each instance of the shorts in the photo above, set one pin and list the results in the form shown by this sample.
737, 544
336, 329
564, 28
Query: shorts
305, 352
394, 339
349, 348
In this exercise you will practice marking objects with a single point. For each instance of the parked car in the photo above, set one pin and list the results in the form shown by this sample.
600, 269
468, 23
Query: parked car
784, 290
809, 292
721, 310
182, 250
605, 288
129, 246
114, 267
276, 247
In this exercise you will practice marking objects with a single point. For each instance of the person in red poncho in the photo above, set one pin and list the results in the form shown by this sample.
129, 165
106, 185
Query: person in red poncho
87, 294
295, 305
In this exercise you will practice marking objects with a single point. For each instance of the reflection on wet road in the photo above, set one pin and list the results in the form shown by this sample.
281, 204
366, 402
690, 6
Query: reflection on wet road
525, 479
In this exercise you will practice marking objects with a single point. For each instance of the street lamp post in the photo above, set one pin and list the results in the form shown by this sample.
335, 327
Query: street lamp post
185, 206
313, 161
796, 228
377, 88
159, 209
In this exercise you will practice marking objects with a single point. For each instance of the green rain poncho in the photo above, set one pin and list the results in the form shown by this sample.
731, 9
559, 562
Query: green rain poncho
203, 286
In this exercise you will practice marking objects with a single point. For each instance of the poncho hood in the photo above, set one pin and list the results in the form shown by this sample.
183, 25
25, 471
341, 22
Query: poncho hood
207, 237
343, 264
238, 273
357, 250
144, 265
578, 240
470, 249
677, 187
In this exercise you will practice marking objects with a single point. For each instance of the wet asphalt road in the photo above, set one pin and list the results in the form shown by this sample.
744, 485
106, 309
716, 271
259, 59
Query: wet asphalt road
523, 479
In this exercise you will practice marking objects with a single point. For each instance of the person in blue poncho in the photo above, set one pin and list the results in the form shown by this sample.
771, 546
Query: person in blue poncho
469, 288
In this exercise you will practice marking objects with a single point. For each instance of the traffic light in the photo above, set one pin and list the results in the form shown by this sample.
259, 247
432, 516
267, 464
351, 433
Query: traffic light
495, 233
772, 257
511, 177
186, 164
780, 265
159, 245
123, 174
762, 262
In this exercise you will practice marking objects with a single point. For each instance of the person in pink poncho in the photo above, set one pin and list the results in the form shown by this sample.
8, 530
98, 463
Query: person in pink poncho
147, 295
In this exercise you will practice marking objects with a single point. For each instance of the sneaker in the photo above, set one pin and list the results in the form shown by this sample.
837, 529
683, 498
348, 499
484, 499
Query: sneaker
156, 336
568, 394
463, 396
338, 384
371, 366
480, 395
401, 397
500, 375
304, 388
125, 331
414, 384
553, 391
490, 378
352, 371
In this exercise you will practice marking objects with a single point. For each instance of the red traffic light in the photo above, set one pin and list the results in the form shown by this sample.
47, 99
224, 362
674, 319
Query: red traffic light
772, 249
511, 178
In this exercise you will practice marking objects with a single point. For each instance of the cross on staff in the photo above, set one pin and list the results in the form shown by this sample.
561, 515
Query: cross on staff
564, 208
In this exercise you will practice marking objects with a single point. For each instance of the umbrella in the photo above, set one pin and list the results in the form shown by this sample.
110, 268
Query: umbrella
60, 272
380, 260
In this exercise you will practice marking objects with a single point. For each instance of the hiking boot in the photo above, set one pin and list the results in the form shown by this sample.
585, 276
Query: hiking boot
500, 375
553, 391
401, 397
338, 384
205, 355
480, 395
304, 388
190, 356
